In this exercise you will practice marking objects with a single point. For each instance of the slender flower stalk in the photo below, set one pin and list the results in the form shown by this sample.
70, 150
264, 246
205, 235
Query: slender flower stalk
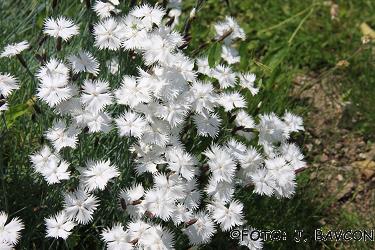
55, 3
58, 43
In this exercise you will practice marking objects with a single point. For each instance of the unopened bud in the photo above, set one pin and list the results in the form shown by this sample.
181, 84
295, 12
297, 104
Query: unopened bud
123, 204
192, 13
149, 214
135, 241
136, 202
191, 222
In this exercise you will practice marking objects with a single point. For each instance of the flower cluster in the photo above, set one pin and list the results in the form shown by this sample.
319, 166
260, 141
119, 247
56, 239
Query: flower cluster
172, 100
9, 231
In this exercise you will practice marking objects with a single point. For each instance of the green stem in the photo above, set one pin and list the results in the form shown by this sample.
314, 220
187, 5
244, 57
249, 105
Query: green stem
286, 20
300, 25
58, 43
2, 168
24, 64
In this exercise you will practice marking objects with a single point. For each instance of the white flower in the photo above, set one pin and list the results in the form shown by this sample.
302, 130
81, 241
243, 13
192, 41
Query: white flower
96, 95
174, 39
203, 96
181, 66
173, 111
54, 68
157, 49
230, 54
148, 110
229, 26
61, 136
225, 76
221, 191
204, 67
202, 230
172, 186
43, 158
84, 62
181, 162
247, 81
294, 123
181, 214
59, 226
97, 174
244, 120
228, 217
271, 129
283, 174
207, 124
60, 27
134, 33
131, 124
148, 157
285, 186
80, 205
235, 149
96, 122
157, 238
54, 87
104, 9
14, 49
270, 150
149, 15
108, 34
7, 84
132, 92
55, 171
263, 181
54, 90
231, 101
134, 193
117, 238
292, 154
10, 232
250, 161
137, 229
158, 203
220, 163
156, 83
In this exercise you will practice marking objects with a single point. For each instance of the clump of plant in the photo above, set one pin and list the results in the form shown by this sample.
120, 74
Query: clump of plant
192, 145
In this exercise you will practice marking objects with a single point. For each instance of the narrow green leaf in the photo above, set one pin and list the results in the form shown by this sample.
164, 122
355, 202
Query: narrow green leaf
16, 111
244, 60
214, 54
278, 58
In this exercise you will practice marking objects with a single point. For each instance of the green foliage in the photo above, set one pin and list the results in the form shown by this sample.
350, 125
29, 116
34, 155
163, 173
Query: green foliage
16, 111
214, 54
